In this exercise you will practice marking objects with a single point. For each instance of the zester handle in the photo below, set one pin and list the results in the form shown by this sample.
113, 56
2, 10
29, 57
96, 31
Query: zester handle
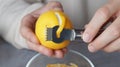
80, 31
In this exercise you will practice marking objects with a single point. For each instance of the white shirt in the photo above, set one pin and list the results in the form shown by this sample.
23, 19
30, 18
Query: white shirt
12, 11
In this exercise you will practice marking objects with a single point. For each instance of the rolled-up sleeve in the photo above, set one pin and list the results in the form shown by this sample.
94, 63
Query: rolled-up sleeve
11, 14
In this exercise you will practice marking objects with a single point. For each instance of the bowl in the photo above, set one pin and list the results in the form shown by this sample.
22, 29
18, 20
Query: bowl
72, 56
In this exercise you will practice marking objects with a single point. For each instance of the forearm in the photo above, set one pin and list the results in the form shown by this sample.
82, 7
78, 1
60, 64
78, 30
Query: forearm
11, 14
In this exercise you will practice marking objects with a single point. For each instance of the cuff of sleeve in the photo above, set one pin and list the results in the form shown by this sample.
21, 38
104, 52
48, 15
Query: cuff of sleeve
19, 42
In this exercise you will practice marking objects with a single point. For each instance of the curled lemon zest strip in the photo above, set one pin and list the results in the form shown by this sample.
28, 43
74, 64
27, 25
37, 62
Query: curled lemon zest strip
61, 20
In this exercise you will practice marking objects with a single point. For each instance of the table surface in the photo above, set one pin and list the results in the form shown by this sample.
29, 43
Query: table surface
12, 57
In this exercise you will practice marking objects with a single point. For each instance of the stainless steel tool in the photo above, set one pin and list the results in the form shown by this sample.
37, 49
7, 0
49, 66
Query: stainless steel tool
66, 34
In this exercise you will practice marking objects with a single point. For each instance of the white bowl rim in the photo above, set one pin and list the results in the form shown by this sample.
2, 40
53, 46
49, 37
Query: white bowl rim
30, 61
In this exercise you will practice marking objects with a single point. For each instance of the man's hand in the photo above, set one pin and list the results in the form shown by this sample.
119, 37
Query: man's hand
28, 27
109, 39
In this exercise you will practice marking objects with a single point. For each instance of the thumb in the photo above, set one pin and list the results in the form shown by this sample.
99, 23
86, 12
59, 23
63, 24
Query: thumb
49, 6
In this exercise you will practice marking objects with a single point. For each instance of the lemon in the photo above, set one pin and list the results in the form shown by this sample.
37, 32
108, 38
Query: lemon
51, 19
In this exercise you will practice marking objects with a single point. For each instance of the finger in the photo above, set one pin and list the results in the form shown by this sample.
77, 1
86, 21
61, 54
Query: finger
41, 49
109, 35
99, 19
58, 54
50, 6
118, 50
112, 47
64, 50
29, 35
54, 5
29, 20
27, 28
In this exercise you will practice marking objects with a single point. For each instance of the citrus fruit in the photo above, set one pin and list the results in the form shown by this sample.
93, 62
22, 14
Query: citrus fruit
50, 20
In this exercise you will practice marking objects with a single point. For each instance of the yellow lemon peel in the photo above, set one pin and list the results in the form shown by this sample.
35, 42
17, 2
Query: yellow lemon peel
49, 20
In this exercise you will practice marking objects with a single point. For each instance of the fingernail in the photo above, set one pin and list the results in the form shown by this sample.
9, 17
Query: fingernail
91, 48
86, 37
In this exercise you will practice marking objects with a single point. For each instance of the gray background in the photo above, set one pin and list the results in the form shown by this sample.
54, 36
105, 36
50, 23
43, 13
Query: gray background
12, 57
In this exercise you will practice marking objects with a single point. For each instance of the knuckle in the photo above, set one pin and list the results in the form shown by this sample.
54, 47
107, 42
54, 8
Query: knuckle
104, 12
25, 19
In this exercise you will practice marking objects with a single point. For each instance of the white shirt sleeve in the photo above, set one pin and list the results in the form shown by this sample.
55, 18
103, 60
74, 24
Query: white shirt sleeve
11, 13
